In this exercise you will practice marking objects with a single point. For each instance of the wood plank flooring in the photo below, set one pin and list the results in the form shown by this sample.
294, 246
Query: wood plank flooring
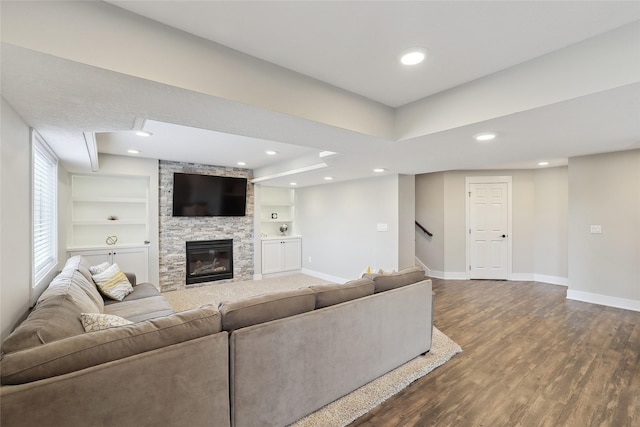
530, 358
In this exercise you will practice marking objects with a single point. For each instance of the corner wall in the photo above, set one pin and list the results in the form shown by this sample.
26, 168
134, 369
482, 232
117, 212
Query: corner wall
338, 223
538, 208
604, 190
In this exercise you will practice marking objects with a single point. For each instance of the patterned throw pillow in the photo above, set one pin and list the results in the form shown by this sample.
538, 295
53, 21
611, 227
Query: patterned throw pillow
99, 321
95, 269
113, 283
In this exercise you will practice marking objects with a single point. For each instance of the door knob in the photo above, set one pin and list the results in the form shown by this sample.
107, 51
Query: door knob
503, 236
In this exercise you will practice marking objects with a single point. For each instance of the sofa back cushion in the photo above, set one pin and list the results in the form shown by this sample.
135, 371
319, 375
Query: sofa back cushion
264, 308
387, 281
327, 295
94, 348
56, 314
80, 264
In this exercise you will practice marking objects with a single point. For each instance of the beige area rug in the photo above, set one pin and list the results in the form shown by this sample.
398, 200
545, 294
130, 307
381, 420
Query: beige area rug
352, 406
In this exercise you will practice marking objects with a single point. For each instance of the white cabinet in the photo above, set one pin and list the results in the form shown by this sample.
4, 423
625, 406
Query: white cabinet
129, 259
104, 206
279, 255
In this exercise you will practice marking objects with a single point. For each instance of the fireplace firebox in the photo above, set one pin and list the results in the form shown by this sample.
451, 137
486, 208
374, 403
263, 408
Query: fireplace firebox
209, 260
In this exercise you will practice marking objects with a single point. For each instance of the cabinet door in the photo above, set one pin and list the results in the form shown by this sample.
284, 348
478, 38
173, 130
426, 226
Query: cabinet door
94, 257
292, 255
133, 260
271, 256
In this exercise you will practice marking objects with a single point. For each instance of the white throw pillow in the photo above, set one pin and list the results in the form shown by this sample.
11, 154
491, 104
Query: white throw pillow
98, 321
95, 269
113, 283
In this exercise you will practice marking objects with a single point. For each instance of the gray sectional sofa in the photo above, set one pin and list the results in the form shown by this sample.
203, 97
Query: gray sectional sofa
267, 360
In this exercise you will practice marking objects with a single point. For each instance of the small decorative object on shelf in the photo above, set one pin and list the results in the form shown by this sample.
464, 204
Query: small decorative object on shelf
112, 218
283, 229
274, 215
111, 240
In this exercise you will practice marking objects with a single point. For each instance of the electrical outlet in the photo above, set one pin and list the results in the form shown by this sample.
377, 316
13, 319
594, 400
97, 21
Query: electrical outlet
596, 229
309, 259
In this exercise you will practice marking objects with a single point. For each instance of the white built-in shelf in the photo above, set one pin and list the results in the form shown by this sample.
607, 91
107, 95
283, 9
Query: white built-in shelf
97, 197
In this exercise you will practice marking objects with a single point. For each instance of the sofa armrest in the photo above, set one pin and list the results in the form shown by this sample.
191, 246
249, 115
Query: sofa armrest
185, 384
131, 277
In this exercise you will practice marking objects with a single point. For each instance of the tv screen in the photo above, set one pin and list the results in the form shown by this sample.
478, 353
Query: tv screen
208, 195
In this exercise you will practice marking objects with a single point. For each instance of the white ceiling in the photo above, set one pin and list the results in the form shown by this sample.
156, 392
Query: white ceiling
350, 45
354, 45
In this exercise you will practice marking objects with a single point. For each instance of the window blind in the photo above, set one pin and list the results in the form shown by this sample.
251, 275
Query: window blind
45, 177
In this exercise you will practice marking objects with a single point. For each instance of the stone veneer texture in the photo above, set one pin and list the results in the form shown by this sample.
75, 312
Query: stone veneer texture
176, 231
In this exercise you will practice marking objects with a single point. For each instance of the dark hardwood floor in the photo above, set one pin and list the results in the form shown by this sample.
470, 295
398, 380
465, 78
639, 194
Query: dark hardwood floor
530, 358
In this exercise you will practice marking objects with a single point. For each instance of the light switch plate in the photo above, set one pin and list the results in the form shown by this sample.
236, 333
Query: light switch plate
381, 227
596, 229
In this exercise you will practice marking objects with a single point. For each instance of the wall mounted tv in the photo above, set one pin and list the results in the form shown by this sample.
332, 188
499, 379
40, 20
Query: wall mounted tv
208, 195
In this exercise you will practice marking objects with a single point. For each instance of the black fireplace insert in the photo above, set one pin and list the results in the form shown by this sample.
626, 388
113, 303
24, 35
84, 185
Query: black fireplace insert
209, 260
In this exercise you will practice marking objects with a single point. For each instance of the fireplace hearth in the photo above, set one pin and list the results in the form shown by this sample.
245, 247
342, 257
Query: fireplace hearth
209, 260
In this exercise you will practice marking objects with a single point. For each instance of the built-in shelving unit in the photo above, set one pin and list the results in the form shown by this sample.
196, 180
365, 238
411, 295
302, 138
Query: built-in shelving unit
104, 206
280, 253
277, 207
112, 208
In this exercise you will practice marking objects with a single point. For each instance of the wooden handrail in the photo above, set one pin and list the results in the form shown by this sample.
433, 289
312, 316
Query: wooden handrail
424, 229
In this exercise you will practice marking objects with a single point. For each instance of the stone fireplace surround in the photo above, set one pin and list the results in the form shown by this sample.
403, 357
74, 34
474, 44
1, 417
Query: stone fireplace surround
176, 231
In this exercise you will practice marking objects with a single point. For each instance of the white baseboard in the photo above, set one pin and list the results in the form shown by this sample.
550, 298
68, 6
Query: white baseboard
627, 304
328, 277
531, 277
448, 275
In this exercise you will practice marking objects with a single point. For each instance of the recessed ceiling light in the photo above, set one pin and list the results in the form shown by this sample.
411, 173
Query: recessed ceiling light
413, 56
293, 183
241, 164
379, 170
484, 136
543, 164
133, 151
143, 133
271, 152
328, 178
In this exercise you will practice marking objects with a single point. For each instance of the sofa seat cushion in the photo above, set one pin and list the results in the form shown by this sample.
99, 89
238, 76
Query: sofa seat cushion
141, 290
94, 348
56, 314
387, 281
140, 309
327, 295
265, 308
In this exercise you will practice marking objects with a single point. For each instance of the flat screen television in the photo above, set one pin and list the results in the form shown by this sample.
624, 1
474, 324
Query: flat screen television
208, 195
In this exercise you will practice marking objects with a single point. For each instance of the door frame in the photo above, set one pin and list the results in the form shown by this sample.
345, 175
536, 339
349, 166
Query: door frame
488, 180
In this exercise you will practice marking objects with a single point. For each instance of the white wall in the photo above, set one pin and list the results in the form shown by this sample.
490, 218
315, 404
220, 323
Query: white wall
338, 226
539, 207
15, 204
126, 165
604, 190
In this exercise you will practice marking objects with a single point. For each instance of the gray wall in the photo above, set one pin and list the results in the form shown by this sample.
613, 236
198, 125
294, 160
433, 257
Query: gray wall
604, 190
539, 206
338, 226
430, 214
406, 221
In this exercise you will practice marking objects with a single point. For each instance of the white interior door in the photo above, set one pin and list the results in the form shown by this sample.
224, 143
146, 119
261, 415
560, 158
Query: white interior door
488, 240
